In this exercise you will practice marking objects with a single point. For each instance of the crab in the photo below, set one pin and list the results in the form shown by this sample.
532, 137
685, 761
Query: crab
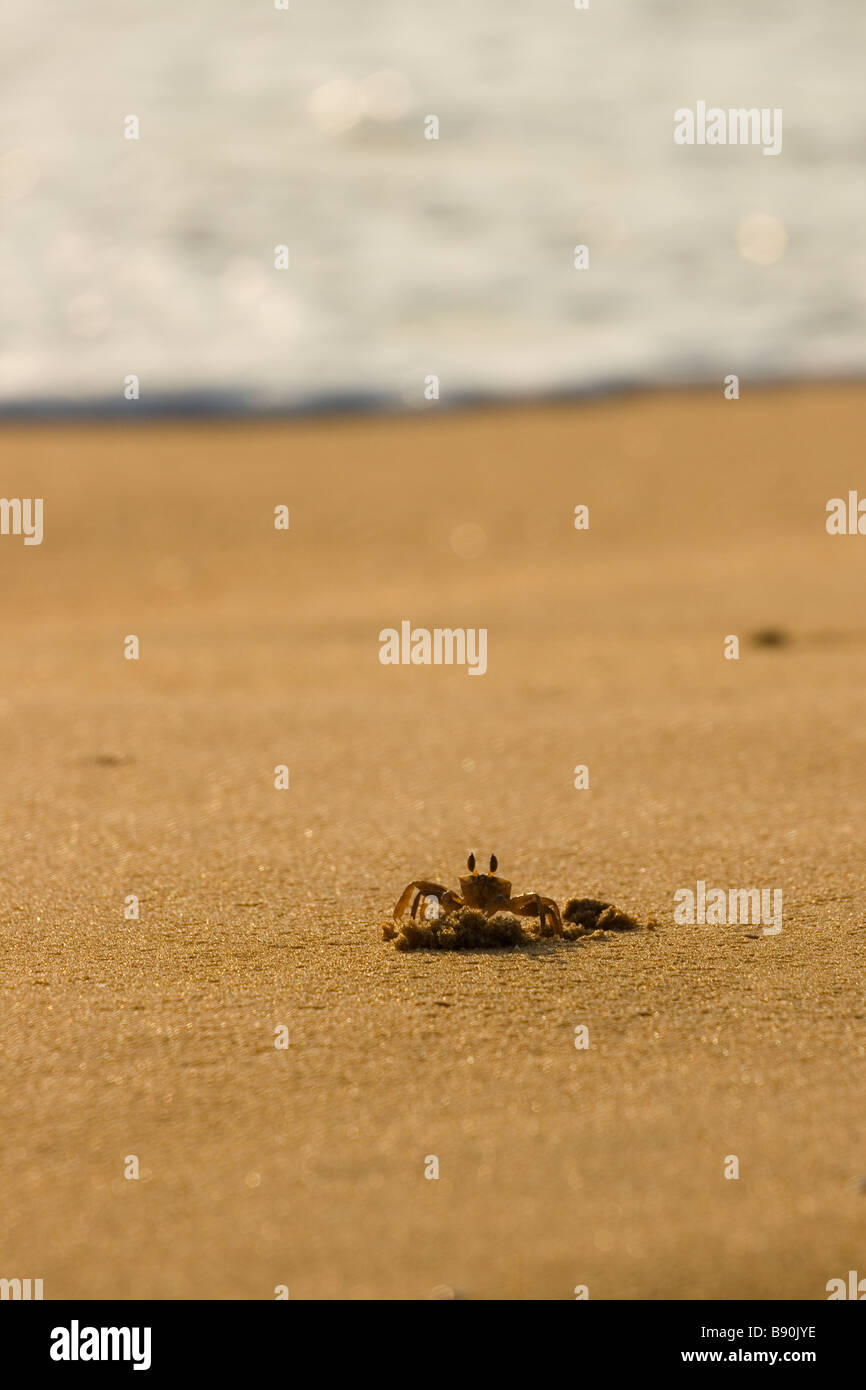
485, 893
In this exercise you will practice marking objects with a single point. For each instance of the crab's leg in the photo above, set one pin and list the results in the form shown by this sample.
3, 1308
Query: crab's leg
448, 901
533, 905
421, 888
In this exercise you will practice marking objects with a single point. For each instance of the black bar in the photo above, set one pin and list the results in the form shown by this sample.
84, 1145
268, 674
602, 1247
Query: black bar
225, 1338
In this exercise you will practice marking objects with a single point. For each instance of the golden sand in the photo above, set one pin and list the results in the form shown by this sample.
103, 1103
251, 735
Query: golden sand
260, 908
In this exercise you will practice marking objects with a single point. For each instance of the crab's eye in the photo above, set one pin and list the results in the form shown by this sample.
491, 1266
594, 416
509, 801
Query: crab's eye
470, 863
494, 863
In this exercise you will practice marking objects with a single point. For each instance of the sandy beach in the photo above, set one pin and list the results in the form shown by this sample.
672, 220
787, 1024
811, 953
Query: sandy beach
305, 1166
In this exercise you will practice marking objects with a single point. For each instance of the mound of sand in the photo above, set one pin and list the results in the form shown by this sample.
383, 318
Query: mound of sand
590, 915
458, 931
470, 929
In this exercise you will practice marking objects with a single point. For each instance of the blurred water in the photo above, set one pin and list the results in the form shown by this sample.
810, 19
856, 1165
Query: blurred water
412, 257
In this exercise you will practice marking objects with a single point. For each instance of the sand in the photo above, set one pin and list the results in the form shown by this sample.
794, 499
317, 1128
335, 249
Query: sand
558, 1166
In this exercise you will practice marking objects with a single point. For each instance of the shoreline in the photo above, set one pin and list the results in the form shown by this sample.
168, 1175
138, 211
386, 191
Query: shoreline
201, 406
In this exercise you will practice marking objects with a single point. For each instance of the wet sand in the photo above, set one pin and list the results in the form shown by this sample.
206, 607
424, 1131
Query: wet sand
558, 1167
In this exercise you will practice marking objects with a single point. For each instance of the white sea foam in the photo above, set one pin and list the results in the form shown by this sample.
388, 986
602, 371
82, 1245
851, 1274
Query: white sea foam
411, 257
